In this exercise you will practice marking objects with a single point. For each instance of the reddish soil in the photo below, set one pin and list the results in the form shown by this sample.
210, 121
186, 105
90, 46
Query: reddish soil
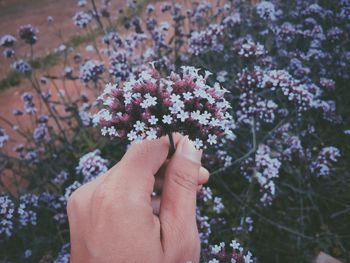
14, 13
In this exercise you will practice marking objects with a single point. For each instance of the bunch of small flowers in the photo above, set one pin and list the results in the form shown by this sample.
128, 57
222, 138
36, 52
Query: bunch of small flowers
7, 209
322, 166
21, 66
245, 225
92, 165
248, 49
266, 10
206, 40
64, 254
61, 177
41, 132
29, 105
7, 41
82, 19
27, 204
85, 115
303, 95
113, 38
119, 65
264, 168
237, 255
8, 53
91, 70
150, 107
28, 34
3, 137
252, 106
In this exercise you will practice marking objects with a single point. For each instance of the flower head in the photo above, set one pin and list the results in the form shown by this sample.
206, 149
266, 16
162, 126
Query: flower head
92, 165
82, 19
151, 106
28, 34
7, 41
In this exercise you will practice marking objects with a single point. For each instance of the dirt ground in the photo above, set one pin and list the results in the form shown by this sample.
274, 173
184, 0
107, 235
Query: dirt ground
14, 13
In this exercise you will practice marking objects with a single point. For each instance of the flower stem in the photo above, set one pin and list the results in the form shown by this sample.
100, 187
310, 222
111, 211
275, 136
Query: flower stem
172, 148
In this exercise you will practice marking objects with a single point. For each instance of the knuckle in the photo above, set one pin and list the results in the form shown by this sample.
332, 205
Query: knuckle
184, 179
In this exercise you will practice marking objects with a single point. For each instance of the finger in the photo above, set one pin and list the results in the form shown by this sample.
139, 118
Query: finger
203, 176
178, 205
135, 172
159, 180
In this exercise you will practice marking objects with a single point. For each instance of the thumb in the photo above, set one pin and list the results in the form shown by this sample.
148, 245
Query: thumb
178, 204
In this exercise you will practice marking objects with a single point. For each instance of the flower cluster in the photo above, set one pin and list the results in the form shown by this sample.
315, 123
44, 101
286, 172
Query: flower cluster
91, 70
264, 168
82, 19
120, 68
206, 40
21, 66
7, 41
28, 34
27, 215
322, 166
237, 255
249, 49
3, 137
29, 105
8, 53
151, 106
91, 165
266, 10
7, 210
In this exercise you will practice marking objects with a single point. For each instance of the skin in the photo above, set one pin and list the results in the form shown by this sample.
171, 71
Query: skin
114, 218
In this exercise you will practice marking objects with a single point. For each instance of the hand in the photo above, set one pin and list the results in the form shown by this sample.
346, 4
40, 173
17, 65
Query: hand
114, 219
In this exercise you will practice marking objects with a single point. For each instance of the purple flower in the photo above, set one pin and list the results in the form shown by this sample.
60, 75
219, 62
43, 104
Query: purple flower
28, 34
27, 205
29, 105
64, 254
206, 40
7, 209
82, 19
150, 107
21, 66
7, 41
266, 10
3, 138
328, 156
120, 67
91, 70
91, 165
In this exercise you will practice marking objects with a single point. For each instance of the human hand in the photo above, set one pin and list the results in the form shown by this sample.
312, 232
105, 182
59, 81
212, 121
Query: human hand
114, 219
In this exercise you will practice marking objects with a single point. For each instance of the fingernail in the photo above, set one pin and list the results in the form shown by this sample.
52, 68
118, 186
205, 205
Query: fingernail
190, 152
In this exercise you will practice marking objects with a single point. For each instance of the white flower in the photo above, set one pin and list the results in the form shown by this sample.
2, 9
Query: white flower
235, 245
104, 131
198, 143
248, 258
195, 115
139, 126
132, 136
151, 134
214, 260
167, 119
188, 95
112, 131
127, 98
174, 97
149, 101
183, 115
153, 120
212, 139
